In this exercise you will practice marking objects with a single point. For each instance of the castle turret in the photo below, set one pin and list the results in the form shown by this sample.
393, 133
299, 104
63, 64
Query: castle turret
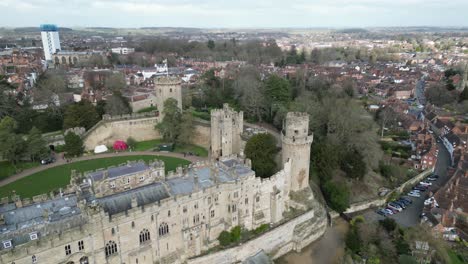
167, 87
296, 147
227, 126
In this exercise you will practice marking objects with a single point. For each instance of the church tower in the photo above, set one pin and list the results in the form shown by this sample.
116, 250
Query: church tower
167, 87
296, 148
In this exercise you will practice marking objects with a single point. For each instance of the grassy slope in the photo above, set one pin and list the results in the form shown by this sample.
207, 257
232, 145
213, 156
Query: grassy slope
58, 177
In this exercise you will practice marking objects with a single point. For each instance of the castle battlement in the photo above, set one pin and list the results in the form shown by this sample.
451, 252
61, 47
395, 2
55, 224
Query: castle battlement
107, 117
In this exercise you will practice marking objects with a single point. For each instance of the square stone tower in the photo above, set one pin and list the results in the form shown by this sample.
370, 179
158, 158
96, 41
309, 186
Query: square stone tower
167, 87
296, 147
227, 126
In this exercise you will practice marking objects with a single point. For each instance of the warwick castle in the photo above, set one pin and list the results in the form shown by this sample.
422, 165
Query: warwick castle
136, 213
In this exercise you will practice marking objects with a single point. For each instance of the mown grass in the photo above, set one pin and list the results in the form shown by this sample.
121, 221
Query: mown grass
153, 144
7, 169
59, 177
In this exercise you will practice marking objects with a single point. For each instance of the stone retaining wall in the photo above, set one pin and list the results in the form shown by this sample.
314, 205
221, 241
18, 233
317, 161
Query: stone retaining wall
292, 235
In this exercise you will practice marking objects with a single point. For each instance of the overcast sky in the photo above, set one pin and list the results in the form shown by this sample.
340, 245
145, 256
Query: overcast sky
234, 13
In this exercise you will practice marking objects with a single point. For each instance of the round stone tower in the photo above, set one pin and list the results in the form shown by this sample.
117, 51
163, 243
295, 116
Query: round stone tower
167, 87
296, 148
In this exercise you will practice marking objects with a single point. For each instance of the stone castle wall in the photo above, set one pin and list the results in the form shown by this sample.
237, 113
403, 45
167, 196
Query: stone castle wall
138, 126
292, 235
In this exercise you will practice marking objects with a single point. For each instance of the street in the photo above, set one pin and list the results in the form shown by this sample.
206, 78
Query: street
411, 215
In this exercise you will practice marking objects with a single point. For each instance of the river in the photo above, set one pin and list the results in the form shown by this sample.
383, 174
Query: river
329, 249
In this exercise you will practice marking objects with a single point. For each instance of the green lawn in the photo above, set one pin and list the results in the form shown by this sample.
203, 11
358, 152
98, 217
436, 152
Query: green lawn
147, 145
151, 144
7, 169
58, 177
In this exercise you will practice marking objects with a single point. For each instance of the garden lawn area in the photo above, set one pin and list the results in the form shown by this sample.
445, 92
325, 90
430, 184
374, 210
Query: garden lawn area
147, 145
152, 144
7, 169
59, 177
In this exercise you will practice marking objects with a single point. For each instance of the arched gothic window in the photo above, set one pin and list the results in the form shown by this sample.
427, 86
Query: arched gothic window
144, 235
84, 260
111, 248
163, 229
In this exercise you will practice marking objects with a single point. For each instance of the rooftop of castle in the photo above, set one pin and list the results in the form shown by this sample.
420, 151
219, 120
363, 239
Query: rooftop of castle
167, 80
18, 223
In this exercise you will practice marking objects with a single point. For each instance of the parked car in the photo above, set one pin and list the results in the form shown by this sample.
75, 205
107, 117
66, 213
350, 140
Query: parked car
414, 193
407, 199
48, 160
394, 206
426, 183
429, 201
388, 211
431, 179
382, 212
401, 204
394, 211
401, 201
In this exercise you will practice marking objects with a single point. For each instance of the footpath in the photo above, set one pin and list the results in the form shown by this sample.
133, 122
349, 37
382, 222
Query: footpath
61, 161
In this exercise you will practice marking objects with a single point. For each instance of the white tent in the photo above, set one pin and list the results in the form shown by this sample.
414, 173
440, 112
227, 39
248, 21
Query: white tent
100, 149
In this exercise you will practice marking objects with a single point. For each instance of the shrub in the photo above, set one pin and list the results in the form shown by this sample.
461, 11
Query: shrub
236, 234
337, 196
224, 238
261, 229
388, 224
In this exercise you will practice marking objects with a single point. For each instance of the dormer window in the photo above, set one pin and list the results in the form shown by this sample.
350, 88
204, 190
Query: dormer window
7, 244
33, 236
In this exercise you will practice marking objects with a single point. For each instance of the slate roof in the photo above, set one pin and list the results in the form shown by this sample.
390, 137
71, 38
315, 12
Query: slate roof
121, 202
119, 171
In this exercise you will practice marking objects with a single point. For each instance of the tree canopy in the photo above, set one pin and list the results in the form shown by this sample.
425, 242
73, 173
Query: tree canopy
261, 150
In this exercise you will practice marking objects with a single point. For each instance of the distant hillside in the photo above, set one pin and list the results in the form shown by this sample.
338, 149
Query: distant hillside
37, 29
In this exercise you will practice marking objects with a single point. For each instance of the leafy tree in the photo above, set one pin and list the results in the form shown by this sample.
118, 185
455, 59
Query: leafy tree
131, 143
353, 241
8, 102
261, 149
210, 44
101, 108
73, 145
236, 234
337, 195
186, 129
353, 164
82, 114
439, 95
388, 224
277, 90
13, 145
115, 82
36, 145
169, 126
117, 105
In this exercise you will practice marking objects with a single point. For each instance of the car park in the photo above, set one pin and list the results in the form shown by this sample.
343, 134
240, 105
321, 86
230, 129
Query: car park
401, 204
414, 193
382, 212
407, 199
394, 211
404, 202
394, 206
